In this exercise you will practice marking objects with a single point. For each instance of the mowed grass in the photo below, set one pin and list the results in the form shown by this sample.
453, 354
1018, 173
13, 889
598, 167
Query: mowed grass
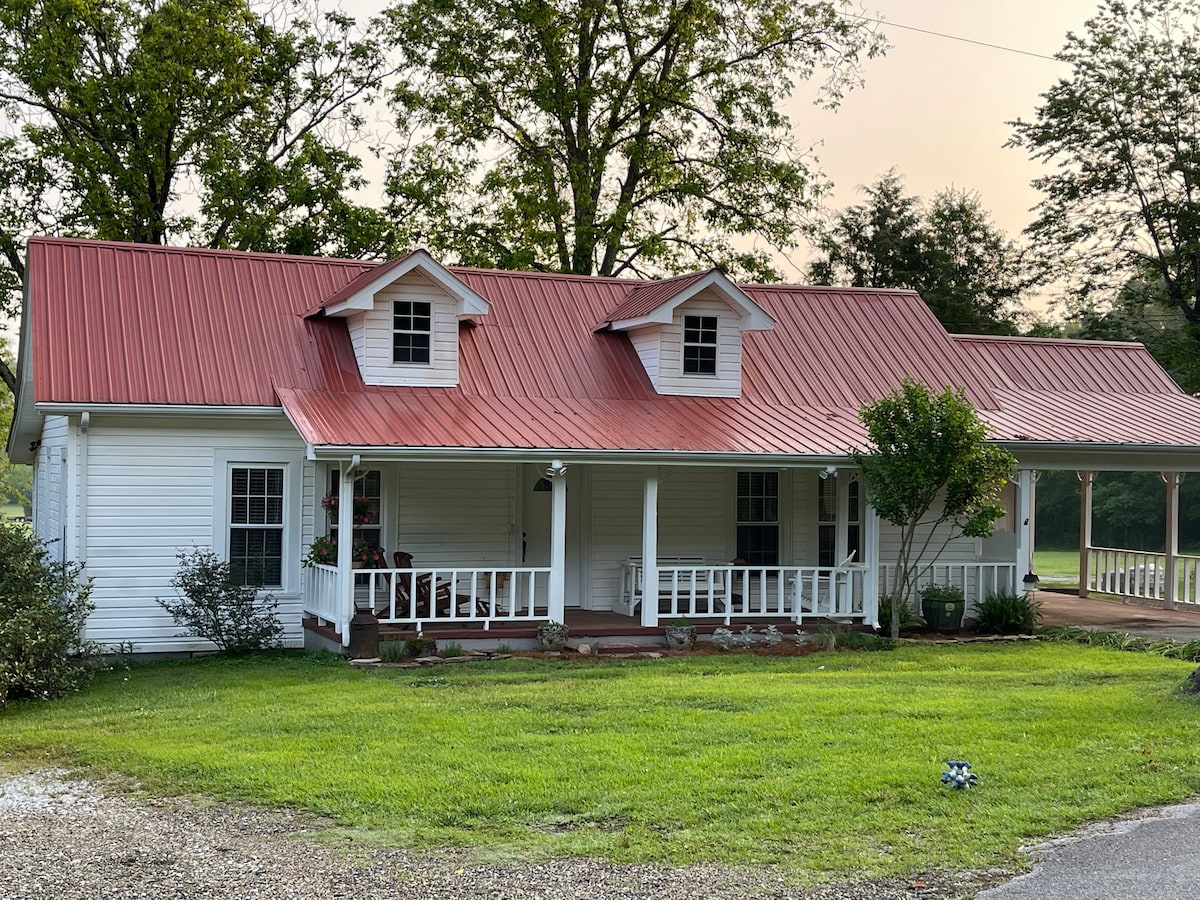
827, 765
1060, 564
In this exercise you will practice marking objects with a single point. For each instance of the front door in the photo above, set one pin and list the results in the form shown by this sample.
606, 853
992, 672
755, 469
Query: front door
535, 537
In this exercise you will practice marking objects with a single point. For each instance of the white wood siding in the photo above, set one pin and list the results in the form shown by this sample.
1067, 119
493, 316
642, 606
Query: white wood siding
646, 342
457, 515
153, 486
371, 335
692, 520
50, 515
728, 380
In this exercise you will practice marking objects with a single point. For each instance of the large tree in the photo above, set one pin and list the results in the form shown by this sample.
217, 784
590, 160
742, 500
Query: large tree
1122, 132
611, 136
949, 250
205, 121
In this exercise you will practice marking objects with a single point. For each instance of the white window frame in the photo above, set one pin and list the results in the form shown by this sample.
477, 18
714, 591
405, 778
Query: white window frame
410, 331
292, 463
684, 344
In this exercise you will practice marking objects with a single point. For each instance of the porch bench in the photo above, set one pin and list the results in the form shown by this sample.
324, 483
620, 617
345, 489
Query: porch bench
712, 597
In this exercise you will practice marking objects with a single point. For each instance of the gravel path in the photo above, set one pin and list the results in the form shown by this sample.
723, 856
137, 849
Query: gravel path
69, 840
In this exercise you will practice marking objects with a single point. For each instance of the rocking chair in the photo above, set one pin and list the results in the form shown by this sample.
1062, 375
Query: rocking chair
441, 593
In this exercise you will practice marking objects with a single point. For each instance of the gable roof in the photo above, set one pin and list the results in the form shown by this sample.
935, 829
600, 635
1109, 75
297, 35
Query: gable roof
654, 302
359, 293
134, 324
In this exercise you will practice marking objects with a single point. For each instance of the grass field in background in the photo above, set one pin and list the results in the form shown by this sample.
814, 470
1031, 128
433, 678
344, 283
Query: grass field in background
1058, 564
827, 764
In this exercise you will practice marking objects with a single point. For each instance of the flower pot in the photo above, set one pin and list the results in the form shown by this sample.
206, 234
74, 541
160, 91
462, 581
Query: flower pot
681, 637
356, 564
942, 615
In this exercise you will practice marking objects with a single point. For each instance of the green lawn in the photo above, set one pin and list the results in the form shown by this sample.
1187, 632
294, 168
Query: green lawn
1057, 563
827, 764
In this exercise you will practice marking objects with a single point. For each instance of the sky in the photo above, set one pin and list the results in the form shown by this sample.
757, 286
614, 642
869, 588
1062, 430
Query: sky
936, 109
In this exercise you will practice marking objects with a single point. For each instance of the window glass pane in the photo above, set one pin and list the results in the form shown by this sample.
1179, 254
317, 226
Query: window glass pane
827, 500
256, 499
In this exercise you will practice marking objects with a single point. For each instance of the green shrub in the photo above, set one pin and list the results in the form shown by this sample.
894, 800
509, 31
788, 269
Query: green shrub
907, 620
216, 606
1006, 613
43, 607
451, 649
393, 651
861, 640
420, 645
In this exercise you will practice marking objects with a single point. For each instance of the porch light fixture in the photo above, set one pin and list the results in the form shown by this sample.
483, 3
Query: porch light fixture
827, 471
1030, 581
557, 469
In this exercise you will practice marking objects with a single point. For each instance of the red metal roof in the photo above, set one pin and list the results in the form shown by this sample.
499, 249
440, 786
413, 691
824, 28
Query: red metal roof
120, 323
130, 323
1053, 364
644, 298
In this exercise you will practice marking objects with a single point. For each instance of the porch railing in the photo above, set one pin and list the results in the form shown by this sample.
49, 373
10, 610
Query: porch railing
975, 579
1142, 574
421, 597
724, 592
483, 596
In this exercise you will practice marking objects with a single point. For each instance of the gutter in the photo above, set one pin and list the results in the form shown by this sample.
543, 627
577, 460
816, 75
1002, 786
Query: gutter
539, 454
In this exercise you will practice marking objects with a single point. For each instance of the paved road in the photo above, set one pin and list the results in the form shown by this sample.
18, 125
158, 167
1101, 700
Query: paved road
1156, 858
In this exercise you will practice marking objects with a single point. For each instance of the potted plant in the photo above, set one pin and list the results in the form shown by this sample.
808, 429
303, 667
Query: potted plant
362, 513
552, 635
323, 551
681, 635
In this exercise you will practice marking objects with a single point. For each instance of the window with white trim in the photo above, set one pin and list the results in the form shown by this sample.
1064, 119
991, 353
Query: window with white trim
256, 524
700, 345
827, 521
758, 518
412, 331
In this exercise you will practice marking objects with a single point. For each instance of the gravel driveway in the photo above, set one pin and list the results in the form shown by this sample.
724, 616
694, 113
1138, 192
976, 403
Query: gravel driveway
63, 839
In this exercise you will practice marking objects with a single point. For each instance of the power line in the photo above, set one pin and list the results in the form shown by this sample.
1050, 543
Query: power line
954, 37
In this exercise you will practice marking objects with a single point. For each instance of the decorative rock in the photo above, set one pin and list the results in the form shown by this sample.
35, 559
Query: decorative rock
584, 649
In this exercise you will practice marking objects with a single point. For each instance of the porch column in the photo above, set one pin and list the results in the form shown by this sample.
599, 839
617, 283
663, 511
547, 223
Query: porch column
1172, 574
870, 546
345, 540
1086, 480
1024, 524
650, 549
556, 602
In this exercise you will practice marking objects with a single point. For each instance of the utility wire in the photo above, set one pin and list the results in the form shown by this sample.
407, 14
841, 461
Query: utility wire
953, 37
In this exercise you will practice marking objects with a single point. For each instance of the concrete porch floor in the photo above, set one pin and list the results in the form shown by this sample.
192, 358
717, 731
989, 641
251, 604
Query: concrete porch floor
1180, 624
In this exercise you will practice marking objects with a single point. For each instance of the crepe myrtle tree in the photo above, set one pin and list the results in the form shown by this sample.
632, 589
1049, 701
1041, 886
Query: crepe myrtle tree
931, 472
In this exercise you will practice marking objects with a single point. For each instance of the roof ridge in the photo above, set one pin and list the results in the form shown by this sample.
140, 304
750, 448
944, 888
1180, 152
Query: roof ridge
1034, 339
131, 246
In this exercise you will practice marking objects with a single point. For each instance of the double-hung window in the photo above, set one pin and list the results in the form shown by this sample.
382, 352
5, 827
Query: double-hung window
256, 524
758, 518
700, 345
412, 331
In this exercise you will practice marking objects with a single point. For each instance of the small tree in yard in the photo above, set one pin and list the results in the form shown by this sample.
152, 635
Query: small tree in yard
216, 606
929, 466
43, 607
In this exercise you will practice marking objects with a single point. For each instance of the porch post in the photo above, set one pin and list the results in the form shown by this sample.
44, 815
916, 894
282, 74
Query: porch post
650, 549
1024, 523
870, 545
556, 602
1085, 530
1172, 574
345, 540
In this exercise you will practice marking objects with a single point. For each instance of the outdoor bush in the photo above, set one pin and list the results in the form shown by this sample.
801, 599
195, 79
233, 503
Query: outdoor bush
43, 607
1007, 613
907, 620
216, 606
393, 651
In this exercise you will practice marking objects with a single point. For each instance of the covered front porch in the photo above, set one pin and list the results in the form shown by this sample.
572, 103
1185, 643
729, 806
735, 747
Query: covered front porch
492, 546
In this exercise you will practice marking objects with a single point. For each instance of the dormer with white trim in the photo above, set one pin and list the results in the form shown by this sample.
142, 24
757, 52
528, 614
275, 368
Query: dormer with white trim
687, 332
403, 318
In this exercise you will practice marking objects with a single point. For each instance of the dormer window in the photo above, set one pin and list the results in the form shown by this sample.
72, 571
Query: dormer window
700, 345
412, 328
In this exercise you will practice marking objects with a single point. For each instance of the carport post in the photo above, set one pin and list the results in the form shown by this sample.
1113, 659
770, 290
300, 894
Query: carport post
1085, 529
